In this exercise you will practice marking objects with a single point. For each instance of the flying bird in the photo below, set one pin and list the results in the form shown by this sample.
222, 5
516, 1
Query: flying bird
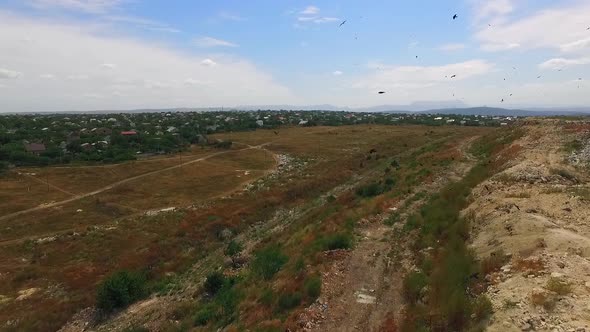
453, 76
510, 95
416, 57
502, 100
341, 24
539, 76
381, 92
455, 16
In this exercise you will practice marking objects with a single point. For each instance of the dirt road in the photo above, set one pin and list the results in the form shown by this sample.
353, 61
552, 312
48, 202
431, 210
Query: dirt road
118, 183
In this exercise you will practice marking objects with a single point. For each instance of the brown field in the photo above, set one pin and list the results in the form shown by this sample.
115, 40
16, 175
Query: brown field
77, 249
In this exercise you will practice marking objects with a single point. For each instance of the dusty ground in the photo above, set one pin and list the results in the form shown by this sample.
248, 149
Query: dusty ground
537, 212
362, 289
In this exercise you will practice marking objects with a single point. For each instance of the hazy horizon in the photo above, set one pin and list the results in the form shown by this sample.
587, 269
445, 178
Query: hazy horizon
85, 55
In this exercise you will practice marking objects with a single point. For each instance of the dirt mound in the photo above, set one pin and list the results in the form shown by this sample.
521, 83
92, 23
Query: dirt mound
536, 213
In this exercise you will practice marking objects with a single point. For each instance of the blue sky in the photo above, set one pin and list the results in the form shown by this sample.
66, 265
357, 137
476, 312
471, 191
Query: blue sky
120, 54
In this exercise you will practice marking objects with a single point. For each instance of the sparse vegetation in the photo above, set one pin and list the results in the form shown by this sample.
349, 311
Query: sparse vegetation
313, 287
565, 174
268, 261
214, 283
120, 290
233, 248
559, 286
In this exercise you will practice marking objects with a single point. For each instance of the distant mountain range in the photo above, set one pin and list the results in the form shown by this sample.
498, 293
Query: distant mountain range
450, 107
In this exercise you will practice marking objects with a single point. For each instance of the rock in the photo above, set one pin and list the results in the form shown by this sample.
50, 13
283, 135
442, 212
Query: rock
556, 275
561, 265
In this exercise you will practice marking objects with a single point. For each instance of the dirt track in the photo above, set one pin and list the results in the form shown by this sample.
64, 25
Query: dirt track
118, 183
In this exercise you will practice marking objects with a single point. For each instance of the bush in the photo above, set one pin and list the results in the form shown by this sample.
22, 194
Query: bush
413, 285
482, 308
289, 301
3, 167
369, 190
268, 261
120, 290
313, 287
205, 315
214, 283
233, 248
337, 241
559, 286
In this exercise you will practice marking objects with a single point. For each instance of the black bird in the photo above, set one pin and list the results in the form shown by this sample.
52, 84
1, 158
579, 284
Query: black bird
276, 132
502, 100
455, 16
416, 57
510, 95
341, 24
453, 76
539, 76
381, 92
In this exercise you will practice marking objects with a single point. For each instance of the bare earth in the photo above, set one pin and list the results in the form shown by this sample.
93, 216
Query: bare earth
535, 214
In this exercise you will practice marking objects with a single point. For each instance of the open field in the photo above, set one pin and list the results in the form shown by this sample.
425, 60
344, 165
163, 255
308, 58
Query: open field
56, 256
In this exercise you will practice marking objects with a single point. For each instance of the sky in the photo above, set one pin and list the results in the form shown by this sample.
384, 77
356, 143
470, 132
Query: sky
82, 55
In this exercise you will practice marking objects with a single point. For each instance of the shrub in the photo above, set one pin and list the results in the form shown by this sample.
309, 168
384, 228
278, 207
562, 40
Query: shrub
559, 286
120, 290
267, 296
482, 308
393, 219
565, 174
369, 190
289, 301
313, 287
214, 282
493, 263
233, 248
413, 285
268, 261
206, 314
136, 329
547, 301
337, 241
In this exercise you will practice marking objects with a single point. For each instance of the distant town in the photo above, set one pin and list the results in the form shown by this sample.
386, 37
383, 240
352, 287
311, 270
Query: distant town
49, 139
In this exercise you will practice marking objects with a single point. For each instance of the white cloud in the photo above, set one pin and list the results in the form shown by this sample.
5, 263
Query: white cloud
88, 6
312, 14
491, 10
141, 23
422, 76
148, 74
231, 16
213, 42
452, 47
337, 73
561, 28
326, 19
208, 63
578, 45
77, 77
499, 47
192, 81
310, 10
47, 76
9, 74
561, 63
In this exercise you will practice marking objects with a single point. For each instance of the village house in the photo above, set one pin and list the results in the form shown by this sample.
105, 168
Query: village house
35, 148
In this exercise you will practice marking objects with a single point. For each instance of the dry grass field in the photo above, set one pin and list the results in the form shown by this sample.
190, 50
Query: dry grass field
52, 259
